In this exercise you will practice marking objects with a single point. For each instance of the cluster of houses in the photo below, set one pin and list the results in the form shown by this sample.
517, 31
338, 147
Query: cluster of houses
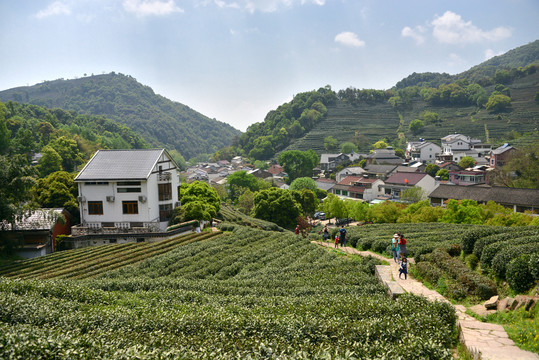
386, 176
130, 195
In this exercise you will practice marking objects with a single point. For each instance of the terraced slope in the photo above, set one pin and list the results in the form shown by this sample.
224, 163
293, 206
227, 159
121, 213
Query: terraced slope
92, 261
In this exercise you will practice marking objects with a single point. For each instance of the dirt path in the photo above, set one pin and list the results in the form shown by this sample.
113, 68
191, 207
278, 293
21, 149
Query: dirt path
483, 340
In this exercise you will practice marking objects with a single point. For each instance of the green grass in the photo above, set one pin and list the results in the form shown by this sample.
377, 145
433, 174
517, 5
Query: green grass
522, 327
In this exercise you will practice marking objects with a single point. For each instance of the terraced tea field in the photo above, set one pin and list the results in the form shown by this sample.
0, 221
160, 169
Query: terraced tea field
246, 294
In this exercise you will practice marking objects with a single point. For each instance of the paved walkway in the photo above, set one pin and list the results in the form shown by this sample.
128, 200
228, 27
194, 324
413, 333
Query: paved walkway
483, 340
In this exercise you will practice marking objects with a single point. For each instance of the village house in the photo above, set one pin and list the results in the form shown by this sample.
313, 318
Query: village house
501, 155
277, 171
400, 181
468, 177
379, 171
383, 157
35, 233
354, 170
358, 187
457, 146
519, 200
128, 190
424, 151
325, 184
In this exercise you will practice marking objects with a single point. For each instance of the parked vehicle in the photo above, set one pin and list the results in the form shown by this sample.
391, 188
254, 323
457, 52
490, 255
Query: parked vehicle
320, 215
344, 221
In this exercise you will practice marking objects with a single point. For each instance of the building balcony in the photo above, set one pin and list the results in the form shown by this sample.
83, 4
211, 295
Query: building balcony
115, 228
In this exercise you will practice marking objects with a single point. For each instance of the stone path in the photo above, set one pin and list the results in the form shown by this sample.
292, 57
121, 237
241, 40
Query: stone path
483, 340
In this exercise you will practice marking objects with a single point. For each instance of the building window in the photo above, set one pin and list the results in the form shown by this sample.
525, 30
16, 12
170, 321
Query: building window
128, 183
130, 207
95, 207
165, 212
129, 190
165, 191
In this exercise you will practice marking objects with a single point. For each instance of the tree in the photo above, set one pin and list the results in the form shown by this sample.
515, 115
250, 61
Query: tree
463, 212
466, 162
330, 143
16, 179
68, 150
416, 126
525, 165
306, 199
348, 147
381, 144
246, 202
298, 163
201, 191
413, 194
4, 131
432, 169
431, 117
498, 103
262, 165
50, 161
278, 206
303, 183
240, 181
443, 174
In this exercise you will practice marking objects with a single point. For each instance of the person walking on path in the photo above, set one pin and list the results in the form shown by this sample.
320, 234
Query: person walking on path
403, 268
402, 245
395, 247
325, 233
297, 230
336, 241
342, 234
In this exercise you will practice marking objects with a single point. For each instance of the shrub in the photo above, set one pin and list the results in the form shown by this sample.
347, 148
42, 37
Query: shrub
381, 246
502, 259
429, 271
519, 276
471, 236
456, 291
534, 265
472, 261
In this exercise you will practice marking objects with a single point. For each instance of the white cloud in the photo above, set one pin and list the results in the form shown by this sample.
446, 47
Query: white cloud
253, 6
151, 7
415, 33
56, 8
349, 39
450, 28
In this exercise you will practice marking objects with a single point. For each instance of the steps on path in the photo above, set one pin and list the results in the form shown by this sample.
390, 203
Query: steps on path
484, 341
383, 273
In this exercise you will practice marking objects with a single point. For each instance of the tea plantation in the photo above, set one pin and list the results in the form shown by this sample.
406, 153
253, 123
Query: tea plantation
243, 294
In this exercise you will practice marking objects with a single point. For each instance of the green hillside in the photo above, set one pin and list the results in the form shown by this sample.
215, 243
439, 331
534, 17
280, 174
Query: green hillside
163, 123
247, 294
345, 121
487, 102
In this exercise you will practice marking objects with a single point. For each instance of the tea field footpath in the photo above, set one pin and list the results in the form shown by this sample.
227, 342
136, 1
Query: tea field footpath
483, 340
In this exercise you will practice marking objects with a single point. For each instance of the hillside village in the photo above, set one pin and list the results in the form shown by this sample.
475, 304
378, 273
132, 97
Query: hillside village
385, 176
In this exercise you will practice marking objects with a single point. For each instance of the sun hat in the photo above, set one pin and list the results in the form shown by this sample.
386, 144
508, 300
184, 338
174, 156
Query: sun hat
396, 235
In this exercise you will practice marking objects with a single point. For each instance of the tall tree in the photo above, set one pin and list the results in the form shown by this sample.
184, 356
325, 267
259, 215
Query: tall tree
298, 163
4, 131
50, 161
278, 206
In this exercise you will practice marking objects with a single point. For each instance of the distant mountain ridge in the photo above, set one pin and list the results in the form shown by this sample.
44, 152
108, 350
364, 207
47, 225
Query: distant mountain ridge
443, 103
162, 122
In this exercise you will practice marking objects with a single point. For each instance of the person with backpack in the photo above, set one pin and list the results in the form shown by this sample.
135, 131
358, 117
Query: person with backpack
325, 233
395, 247
402, 245
342, 234
403, 268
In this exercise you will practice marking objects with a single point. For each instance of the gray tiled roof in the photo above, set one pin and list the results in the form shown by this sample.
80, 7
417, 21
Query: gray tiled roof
498, 194
120, 164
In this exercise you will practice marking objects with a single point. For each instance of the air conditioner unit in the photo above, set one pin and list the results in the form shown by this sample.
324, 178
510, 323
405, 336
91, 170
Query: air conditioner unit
142, 198
81, 199
110, 198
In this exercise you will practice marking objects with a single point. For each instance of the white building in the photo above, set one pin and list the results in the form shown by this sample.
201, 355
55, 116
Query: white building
126, 189
424, 151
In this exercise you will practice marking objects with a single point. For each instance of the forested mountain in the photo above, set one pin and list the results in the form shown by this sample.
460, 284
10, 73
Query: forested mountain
486, 102
161, 122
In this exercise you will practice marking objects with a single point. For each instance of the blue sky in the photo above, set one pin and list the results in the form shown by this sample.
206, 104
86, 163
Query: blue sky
235, 60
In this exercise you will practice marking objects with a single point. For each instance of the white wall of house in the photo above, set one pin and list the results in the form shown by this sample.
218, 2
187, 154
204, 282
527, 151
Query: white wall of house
147, 198
428, 153
428, 184
375, 191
